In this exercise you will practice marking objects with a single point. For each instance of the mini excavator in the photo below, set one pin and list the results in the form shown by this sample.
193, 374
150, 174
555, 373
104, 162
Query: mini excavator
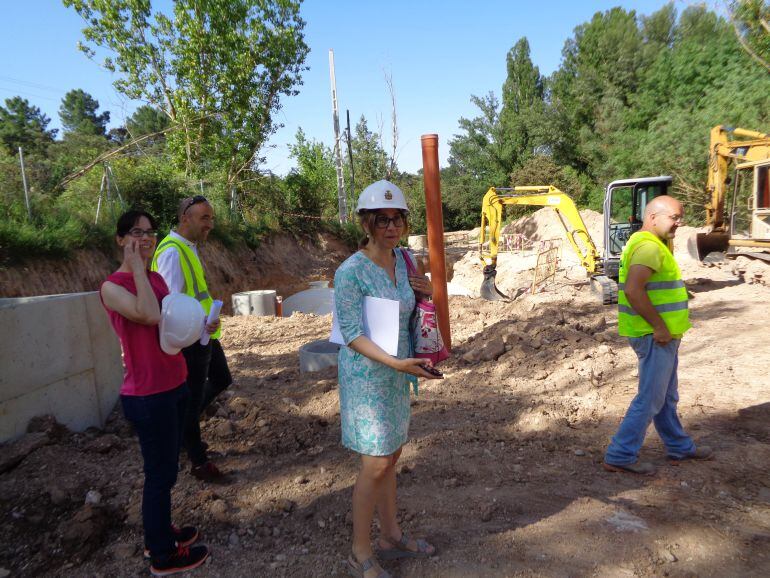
624, 204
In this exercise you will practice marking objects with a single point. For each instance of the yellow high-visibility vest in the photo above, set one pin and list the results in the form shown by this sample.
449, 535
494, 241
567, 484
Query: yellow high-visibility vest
194, 279
665, 289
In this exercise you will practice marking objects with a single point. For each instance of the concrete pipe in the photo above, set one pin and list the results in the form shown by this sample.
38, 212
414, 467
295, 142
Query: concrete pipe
315, 301
262, 302
318, 355
241, 303
418, 242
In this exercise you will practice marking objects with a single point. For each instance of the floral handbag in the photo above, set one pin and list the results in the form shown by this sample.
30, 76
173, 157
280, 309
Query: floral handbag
426, 337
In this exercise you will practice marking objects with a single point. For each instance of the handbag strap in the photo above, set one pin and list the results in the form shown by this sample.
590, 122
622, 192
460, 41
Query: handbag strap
410, 268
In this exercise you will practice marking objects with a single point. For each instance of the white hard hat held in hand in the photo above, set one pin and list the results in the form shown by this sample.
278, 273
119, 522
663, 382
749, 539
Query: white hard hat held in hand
181, 322
381, 195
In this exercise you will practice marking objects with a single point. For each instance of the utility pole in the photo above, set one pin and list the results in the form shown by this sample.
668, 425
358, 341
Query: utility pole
24, 180
343, 208
352, 196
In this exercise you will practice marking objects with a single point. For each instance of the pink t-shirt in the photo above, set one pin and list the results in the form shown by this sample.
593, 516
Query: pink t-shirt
148, 370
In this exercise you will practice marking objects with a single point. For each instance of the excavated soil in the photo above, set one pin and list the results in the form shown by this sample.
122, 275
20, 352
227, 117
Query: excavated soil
282, 262
502, 471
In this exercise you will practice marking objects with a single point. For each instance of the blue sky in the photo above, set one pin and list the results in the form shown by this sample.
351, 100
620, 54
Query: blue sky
437, 52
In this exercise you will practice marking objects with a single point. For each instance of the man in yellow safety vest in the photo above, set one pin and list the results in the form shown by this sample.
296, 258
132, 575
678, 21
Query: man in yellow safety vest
208, 375
653, 314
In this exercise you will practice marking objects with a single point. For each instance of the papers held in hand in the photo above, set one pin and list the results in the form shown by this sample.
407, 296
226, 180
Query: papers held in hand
380, 324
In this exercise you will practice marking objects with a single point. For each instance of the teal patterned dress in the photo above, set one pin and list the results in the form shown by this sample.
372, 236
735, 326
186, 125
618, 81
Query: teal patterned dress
374, 398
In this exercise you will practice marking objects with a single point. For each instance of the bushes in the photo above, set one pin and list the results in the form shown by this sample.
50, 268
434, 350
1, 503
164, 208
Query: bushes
50, 234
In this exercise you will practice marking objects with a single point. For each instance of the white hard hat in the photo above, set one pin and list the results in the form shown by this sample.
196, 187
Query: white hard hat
381, 195
181, 322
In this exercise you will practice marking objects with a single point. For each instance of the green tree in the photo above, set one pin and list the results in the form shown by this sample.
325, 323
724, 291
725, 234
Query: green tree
146, 120
522, 107
370, 161
479, 152
312, 185
217, 68
751, 20
24, 125
591, 89
78, 114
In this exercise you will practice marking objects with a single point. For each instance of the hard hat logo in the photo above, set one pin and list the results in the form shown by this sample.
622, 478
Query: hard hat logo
388, 196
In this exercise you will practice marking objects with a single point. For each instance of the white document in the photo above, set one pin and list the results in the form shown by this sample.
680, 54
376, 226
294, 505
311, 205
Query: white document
380, 324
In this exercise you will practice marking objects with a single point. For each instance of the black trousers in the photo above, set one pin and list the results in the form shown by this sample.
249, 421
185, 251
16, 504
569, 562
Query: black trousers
207, 377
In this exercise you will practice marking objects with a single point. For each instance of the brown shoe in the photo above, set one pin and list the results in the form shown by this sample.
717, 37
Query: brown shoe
700, 453
208, 472
640, 468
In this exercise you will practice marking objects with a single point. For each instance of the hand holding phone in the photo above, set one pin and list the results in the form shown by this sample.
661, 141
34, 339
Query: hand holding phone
432, 370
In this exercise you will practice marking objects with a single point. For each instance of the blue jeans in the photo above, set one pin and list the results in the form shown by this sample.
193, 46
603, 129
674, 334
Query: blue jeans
656, 401
158, 420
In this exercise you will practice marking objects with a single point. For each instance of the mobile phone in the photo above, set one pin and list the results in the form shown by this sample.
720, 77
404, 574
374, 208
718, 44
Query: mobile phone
432, 370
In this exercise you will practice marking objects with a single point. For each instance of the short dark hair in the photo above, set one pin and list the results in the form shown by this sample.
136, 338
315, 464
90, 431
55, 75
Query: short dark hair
127, 220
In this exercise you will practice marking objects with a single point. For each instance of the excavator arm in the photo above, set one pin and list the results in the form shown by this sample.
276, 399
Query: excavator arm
754, 146
546, 196
727, 145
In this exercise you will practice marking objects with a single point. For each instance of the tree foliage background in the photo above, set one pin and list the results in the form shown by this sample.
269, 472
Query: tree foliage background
635, 95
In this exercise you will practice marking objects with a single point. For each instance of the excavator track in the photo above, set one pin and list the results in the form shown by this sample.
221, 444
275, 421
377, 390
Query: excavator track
606, 288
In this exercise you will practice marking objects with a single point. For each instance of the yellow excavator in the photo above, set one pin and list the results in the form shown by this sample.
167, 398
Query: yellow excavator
624, 204
747, 222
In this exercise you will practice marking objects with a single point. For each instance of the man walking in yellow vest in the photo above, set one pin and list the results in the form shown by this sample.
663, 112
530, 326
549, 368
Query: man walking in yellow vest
208, 375
653, 314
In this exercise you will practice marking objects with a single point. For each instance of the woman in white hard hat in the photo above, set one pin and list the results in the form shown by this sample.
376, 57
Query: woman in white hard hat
374, 386
153, 394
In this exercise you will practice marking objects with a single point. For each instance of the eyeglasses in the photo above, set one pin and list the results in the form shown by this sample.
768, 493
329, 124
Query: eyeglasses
675, 218
194, 201
382, 221
139, 233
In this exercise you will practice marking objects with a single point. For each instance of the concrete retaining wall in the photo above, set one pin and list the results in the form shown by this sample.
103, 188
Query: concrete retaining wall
58, 356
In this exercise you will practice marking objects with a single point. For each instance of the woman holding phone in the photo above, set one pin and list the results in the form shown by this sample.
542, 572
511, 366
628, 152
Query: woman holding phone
153, 393
374, 386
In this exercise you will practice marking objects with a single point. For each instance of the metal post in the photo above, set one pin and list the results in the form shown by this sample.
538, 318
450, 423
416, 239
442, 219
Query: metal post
435, 219
342, 202
24, 180
99, 202
352, 196
114, 183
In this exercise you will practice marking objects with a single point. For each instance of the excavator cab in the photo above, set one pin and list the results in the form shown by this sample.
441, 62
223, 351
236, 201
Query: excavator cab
624, 205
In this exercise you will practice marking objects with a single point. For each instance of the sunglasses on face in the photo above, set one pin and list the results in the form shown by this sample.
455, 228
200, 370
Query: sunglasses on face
194, 201
138, 233
382, 221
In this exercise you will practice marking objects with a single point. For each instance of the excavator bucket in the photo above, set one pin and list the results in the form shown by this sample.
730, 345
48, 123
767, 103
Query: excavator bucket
704, 243
489, 290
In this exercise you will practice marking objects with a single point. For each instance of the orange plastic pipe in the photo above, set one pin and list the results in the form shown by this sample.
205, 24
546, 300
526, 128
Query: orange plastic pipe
435, 220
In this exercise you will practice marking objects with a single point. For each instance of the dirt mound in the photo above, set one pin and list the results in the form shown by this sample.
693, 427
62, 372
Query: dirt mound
515, 269
545, 224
